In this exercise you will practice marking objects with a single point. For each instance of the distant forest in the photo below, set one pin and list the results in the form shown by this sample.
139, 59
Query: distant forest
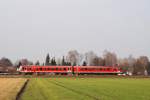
136, 66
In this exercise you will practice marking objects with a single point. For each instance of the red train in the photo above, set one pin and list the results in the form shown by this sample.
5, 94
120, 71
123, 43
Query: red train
70, 69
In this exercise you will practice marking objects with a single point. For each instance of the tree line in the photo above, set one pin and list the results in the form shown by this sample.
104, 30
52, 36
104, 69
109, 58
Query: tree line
135, 66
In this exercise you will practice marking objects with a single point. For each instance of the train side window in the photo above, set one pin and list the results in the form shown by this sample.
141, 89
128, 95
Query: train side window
40, 69
115, 69
104, 69
56, 68
65, 69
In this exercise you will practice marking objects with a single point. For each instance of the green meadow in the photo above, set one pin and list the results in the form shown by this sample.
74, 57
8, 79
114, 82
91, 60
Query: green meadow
87, 89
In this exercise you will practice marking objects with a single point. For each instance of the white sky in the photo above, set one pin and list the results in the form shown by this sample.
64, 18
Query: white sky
32, 28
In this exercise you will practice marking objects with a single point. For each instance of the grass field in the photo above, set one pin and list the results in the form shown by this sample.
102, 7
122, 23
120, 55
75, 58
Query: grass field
9, 87
87, 89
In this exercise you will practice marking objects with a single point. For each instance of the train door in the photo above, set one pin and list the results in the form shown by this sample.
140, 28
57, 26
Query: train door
73, 70
69, 71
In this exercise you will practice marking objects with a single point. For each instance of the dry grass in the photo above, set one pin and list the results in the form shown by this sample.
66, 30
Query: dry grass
9, 87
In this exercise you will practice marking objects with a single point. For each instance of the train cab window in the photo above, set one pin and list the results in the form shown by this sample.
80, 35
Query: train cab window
23, 68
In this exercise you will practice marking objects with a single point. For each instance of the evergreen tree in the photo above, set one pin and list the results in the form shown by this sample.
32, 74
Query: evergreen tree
74, 64
84, 63
54, 61
63, 61
19, 64
37, 63
67, 64
47, 60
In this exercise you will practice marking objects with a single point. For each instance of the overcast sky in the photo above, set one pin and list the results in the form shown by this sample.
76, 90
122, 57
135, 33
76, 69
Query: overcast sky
32, 28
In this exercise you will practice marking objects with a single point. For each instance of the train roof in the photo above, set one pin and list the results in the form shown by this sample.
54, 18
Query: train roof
74, 66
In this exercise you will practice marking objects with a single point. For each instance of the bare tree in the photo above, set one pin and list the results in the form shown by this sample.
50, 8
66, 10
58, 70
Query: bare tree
110, 58
4, 62
73, 57
148, 69
141, 66
131, 64
25, 62
37, 63
144, 60
89, 57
